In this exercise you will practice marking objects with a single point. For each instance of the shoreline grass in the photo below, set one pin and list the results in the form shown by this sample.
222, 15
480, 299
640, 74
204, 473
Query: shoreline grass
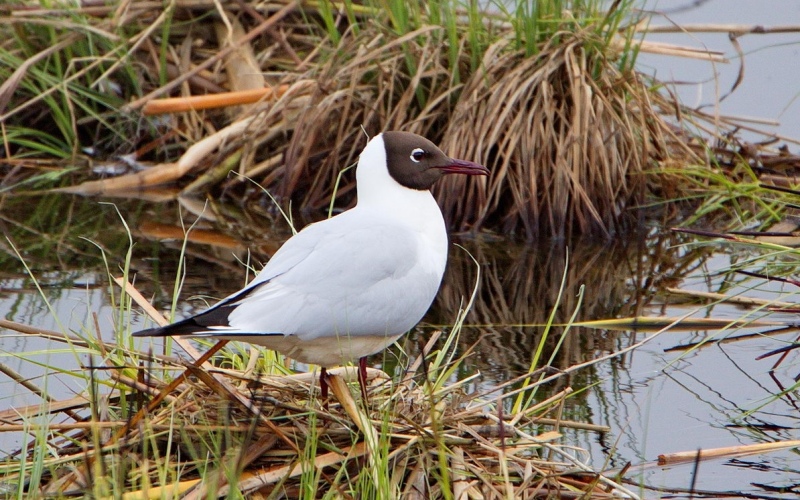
212, 434
545, 94
437, 424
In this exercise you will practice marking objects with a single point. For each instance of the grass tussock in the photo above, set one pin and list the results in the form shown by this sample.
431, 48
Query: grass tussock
542, 93
568, 136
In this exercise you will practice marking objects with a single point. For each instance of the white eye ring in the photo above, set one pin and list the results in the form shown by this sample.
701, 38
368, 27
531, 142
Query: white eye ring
416, 152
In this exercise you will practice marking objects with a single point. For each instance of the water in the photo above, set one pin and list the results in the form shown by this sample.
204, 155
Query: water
686, 400
770, 62
655, 399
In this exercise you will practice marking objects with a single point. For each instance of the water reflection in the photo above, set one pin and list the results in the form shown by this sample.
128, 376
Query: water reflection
523, 285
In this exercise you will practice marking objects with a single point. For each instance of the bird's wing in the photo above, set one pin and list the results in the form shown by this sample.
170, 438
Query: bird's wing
346, 273
293, 251
360, 277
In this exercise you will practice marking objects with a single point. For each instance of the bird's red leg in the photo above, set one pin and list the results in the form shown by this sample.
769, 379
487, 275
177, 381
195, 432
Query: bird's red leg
323, 386
362, 377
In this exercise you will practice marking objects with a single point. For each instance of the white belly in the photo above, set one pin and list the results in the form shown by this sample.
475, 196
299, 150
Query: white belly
323, 351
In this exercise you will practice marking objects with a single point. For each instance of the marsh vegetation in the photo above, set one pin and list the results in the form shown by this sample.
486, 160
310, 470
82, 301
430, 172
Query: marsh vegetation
236, 108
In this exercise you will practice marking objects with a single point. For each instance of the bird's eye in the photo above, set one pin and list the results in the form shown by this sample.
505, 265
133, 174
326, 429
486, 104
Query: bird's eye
417, 155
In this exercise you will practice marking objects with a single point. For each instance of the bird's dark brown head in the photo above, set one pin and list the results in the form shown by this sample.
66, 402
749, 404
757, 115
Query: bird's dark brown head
415, 162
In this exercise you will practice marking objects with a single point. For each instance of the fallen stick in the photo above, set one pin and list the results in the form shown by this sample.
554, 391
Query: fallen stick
211, 101
690, 456
720, 28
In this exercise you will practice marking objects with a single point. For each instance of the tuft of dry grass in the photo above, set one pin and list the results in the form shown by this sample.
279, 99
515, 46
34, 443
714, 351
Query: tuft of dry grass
568, 136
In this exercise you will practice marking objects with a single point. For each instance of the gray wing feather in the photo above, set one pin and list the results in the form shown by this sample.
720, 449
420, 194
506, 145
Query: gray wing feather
336, 278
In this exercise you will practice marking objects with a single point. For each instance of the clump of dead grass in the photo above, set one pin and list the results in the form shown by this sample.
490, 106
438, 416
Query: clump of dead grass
569, 138
548, 98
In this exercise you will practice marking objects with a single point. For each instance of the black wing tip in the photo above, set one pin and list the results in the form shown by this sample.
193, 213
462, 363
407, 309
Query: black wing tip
150, 332
186, 327
163, 331
216, 316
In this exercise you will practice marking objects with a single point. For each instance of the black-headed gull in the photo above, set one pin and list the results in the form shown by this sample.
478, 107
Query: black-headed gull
349, 286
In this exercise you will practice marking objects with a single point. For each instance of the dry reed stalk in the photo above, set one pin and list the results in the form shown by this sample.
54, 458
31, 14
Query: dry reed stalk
219, 100
722, 298
737, 29
669, 49
731, 451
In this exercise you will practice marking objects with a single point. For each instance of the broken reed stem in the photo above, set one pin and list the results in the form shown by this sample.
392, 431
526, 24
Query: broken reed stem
736, 29
210, 101
56, 427
731, 451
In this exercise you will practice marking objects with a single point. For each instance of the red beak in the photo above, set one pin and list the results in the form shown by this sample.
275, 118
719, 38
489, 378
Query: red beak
464, 167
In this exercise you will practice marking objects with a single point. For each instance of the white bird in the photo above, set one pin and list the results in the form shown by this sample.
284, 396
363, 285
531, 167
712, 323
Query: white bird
349, 286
